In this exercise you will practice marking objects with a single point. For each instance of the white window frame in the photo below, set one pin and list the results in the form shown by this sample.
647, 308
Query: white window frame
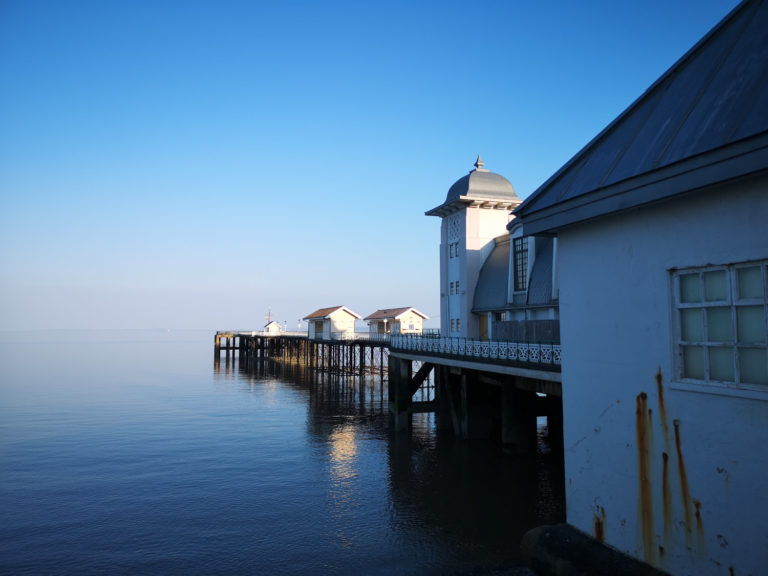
733, 301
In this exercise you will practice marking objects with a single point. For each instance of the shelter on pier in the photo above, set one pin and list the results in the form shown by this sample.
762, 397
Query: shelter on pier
396, 321
272, 328
663, 266
331, 323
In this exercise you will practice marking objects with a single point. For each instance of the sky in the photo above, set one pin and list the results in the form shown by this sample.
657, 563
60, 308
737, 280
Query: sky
196, 164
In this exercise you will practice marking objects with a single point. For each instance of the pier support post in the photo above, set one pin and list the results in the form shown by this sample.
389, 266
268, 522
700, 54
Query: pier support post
518, 418
399, 397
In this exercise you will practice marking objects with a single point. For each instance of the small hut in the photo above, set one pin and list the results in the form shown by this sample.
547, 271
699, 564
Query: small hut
272, 328
331, 323
396, 321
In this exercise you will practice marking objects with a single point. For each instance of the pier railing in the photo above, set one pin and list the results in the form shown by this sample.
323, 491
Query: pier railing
484, 350
372, 336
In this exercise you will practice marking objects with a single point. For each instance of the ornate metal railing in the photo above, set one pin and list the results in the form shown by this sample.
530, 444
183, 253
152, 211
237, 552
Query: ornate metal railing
373, 336
547, 354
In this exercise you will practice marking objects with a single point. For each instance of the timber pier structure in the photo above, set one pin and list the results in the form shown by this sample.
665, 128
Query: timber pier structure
477, 388
350, 354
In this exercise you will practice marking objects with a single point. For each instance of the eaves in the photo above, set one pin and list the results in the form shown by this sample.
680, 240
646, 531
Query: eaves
741, 159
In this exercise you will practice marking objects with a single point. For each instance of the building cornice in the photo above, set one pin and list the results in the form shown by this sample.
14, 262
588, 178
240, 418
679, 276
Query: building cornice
462, 202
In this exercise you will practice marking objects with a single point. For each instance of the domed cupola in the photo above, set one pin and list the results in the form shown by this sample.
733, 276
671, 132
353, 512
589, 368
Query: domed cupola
480, 188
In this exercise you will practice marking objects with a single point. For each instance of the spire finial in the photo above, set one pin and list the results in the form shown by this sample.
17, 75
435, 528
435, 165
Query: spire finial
479, 164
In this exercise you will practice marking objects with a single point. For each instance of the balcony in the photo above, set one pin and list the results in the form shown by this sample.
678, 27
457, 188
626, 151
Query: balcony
541, 356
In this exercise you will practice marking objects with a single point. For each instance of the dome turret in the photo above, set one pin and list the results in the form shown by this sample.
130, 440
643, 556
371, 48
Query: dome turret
480, 187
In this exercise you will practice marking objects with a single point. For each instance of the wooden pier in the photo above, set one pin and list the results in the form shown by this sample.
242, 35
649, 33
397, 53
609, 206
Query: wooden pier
350, 355
477, 388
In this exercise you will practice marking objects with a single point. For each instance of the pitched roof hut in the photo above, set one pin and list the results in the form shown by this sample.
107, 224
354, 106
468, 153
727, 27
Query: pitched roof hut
406, 320
330, 323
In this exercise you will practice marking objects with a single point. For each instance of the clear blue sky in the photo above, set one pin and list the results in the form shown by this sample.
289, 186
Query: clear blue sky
192, 164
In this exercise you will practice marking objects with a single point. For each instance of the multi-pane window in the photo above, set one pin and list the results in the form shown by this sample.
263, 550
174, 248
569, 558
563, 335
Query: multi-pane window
458, 324
457, 286
453, 325
722, 323
521, 263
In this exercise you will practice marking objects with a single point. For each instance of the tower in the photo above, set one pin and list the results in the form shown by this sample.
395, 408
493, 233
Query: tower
476, 210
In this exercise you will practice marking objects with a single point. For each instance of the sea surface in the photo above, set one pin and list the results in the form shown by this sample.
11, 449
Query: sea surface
135, 452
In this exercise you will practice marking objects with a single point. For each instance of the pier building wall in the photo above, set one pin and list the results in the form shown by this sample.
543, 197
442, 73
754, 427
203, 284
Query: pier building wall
670, 469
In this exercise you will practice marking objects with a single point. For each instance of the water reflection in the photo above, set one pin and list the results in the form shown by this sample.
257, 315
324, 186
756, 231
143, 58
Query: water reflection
343, 453
465, 503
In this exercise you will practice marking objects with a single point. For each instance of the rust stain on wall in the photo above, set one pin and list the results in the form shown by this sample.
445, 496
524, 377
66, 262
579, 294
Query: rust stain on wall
697, 505
662, 408
642, 428
684, 490
598, 528
598, 524
700, 538
666, 500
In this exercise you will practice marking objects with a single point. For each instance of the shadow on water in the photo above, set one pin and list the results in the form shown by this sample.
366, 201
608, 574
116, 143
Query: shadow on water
474, 498
478, 497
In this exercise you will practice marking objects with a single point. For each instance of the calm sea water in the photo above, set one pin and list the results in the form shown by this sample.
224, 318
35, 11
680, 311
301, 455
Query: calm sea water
131, 453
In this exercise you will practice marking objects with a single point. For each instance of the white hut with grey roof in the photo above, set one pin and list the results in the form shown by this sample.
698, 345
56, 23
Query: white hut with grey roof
396, 321
331, 323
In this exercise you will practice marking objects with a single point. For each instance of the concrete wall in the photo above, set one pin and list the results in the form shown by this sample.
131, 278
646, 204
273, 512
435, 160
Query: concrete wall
668, 472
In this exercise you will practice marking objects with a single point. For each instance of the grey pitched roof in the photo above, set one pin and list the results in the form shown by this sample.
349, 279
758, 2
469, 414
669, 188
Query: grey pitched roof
327, 312
493, 281
704, 122
393, 313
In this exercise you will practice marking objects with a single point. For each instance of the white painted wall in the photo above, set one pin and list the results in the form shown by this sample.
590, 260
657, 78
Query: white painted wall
408, 320
340, 321
475, 230
616, 318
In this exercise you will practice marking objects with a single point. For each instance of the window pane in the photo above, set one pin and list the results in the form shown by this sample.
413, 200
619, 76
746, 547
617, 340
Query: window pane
719, 325
752, 366
689, 288
721, 364
750, 282
521, 262
693, 362
692, 325
751, 323
715, 286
